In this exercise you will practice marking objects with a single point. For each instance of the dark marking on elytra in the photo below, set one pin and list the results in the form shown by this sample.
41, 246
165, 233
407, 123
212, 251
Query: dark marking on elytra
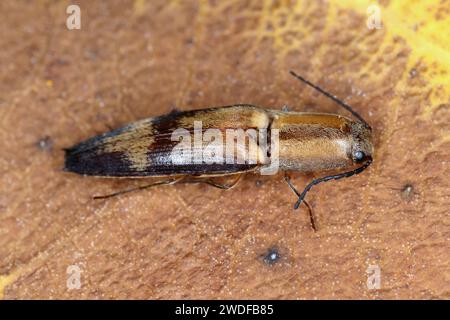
98, 164
169, 122
193, 169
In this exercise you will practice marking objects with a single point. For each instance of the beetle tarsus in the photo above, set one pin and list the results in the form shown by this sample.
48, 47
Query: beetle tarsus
311, 216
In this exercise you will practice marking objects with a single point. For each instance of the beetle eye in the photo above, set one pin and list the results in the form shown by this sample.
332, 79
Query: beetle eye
358, 155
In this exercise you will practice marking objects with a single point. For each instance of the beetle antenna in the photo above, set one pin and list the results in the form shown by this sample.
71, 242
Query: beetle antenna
328, 178
332, 97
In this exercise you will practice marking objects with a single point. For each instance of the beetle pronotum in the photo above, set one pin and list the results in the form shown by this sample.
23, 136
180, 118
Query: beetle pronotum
306, 142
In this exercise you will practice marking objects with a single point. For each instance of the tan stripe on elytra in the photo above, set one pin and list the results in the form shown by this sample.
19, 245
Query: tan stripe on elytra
231, 117
296, 118
133, 143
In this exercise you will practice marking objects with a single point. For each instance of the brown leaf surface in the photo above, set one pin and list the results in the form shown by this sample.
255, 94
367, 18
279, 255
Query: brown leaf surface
132, 60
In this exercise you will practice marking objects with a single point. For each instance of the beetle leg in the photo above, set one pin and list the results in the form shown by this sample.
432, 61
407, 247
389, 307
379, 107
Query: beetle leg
287, 178
159, 183
215, 184
173, 181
